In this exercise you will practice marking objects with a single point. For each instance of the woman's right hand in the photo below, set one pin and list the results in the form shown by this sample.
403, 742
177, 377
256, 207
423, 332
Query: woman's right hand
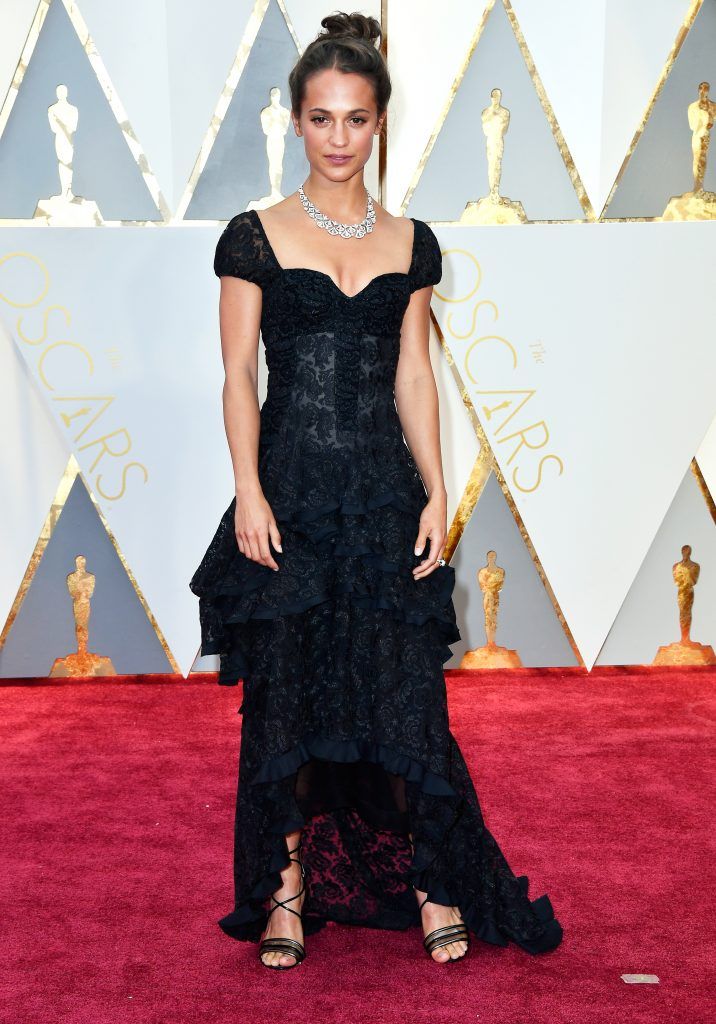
254, 524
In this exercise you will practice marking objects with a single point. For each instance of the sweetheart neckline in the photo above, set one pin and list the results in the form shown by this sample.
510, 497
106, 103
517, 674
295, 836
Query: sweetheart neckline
322, 273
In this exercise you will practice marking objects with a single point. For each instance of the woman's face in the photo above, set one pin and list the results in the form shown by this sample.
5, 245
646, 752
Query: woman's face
338, 118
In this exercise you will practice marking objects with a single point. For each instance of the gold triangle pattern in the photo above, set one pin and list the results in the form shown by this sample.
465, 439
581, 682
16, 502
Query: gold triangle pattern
579, 188
681, 35
72, 470
110, 93
227, 94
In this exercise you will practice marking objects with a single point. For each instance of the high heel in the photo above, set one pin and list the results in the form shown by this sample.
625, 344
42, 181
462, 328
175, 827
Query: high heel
280, 944
444, 936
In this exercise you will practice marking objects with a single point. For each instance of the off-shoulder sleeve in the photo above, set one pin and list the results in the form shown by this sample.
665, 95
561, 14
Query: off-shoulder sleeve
427, 266
238, 251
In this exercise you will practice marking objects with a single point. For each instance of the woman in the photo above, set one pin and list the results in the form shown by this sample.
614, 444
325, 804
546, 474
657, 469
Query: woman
324, 588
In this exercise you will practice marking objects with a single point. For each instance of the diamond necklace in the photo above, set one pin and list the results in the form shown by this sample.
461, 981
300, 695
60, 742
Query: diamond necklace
336, 227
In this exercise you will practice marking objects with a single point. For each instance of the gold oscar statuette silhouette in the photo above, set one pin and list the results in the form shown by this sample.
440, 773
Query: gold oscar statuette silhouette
274, 123
494, 208
686, 651
80, 584
490, 579
66, 208
697, 204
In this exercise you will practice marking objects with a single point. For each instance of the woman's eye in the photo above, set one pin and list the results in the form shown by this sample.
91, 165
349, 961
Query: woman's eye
321, 117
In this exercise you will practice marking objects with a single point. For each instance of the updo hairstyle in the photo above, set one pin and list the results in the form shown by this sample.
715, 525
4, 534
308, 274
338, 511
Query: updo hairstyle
348, 44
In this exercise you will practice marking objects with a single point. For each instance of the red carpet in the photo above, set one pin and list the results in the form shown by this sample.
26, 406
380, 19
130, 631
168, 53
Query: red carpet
116, 859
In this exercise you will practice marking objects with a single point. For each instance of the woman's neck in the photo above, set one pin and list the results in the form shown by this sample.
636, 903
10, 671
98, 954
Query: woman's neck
344, 201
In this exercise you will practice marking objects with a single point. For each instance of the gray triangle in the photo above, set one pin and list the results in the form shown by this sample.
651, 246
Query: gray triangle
44, 626
236, 171
533, 171
104, 170
660, 166
649, 615
526, 619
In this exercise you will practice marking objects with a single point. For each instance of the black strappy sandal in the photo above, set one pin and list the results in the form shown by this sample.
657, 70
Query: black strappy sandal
444, 936
285, 945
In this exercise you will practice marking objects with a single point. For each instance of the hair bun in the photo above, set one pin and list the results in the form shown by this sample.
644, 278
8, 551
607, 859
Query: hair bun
346, 43
354, 26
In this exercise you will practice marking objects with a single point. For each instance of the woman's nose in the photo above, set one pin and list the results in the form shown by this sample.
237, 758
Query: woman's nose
338, 137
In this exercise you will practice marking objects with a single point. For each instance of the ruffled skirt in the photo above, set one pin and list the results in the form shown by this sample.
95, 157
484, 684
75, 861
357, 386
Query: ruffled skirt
344, 729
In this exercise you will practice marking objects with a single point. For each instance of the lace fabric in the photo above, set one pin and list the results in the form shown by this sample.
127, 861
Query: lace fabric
344, 729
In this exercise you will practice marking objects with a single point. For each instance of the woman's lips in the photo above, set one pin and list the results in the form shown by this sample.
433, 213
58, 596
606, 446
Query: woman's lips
338, 159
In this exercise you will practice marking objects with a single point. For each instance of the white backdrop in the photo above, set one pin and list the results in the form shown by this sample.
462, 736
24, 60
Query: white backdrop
607, 327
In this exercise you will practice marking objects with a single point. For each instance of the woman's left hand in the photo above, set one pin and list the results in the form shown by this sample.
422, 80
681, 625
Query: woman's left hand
432, 526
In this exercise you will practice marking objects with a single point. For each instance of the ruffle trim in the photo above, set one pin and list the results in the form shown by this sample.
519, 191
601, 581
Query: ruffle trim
303, 480
233, 589
248, 920
349, 751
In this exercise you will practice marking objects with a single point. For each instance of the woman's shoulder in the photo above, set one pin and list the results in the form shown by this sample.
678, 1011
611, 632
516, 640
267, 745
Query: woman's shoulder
239, 227
241, 251
427, 260
426, 257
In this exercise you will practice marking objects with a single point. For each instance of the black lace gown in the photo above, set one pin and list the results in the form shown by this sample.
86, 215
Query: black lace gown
344, 728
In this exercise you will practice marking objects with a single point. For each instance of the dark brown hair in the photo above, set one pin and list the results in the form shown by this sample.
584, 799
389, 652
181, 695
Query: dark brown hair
348, 44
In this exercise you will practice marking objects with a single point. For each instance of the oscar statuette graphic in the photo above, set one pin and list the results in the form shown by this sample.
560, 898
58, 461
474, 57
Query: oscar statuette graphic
697, 204
494, 208
490, 579
66, 208
686, 651
274, 123
82, 662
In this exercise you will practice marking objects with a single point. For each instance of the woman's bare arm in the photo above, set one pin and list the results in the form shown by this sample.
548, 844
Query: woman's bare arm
239, 322
416, 400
